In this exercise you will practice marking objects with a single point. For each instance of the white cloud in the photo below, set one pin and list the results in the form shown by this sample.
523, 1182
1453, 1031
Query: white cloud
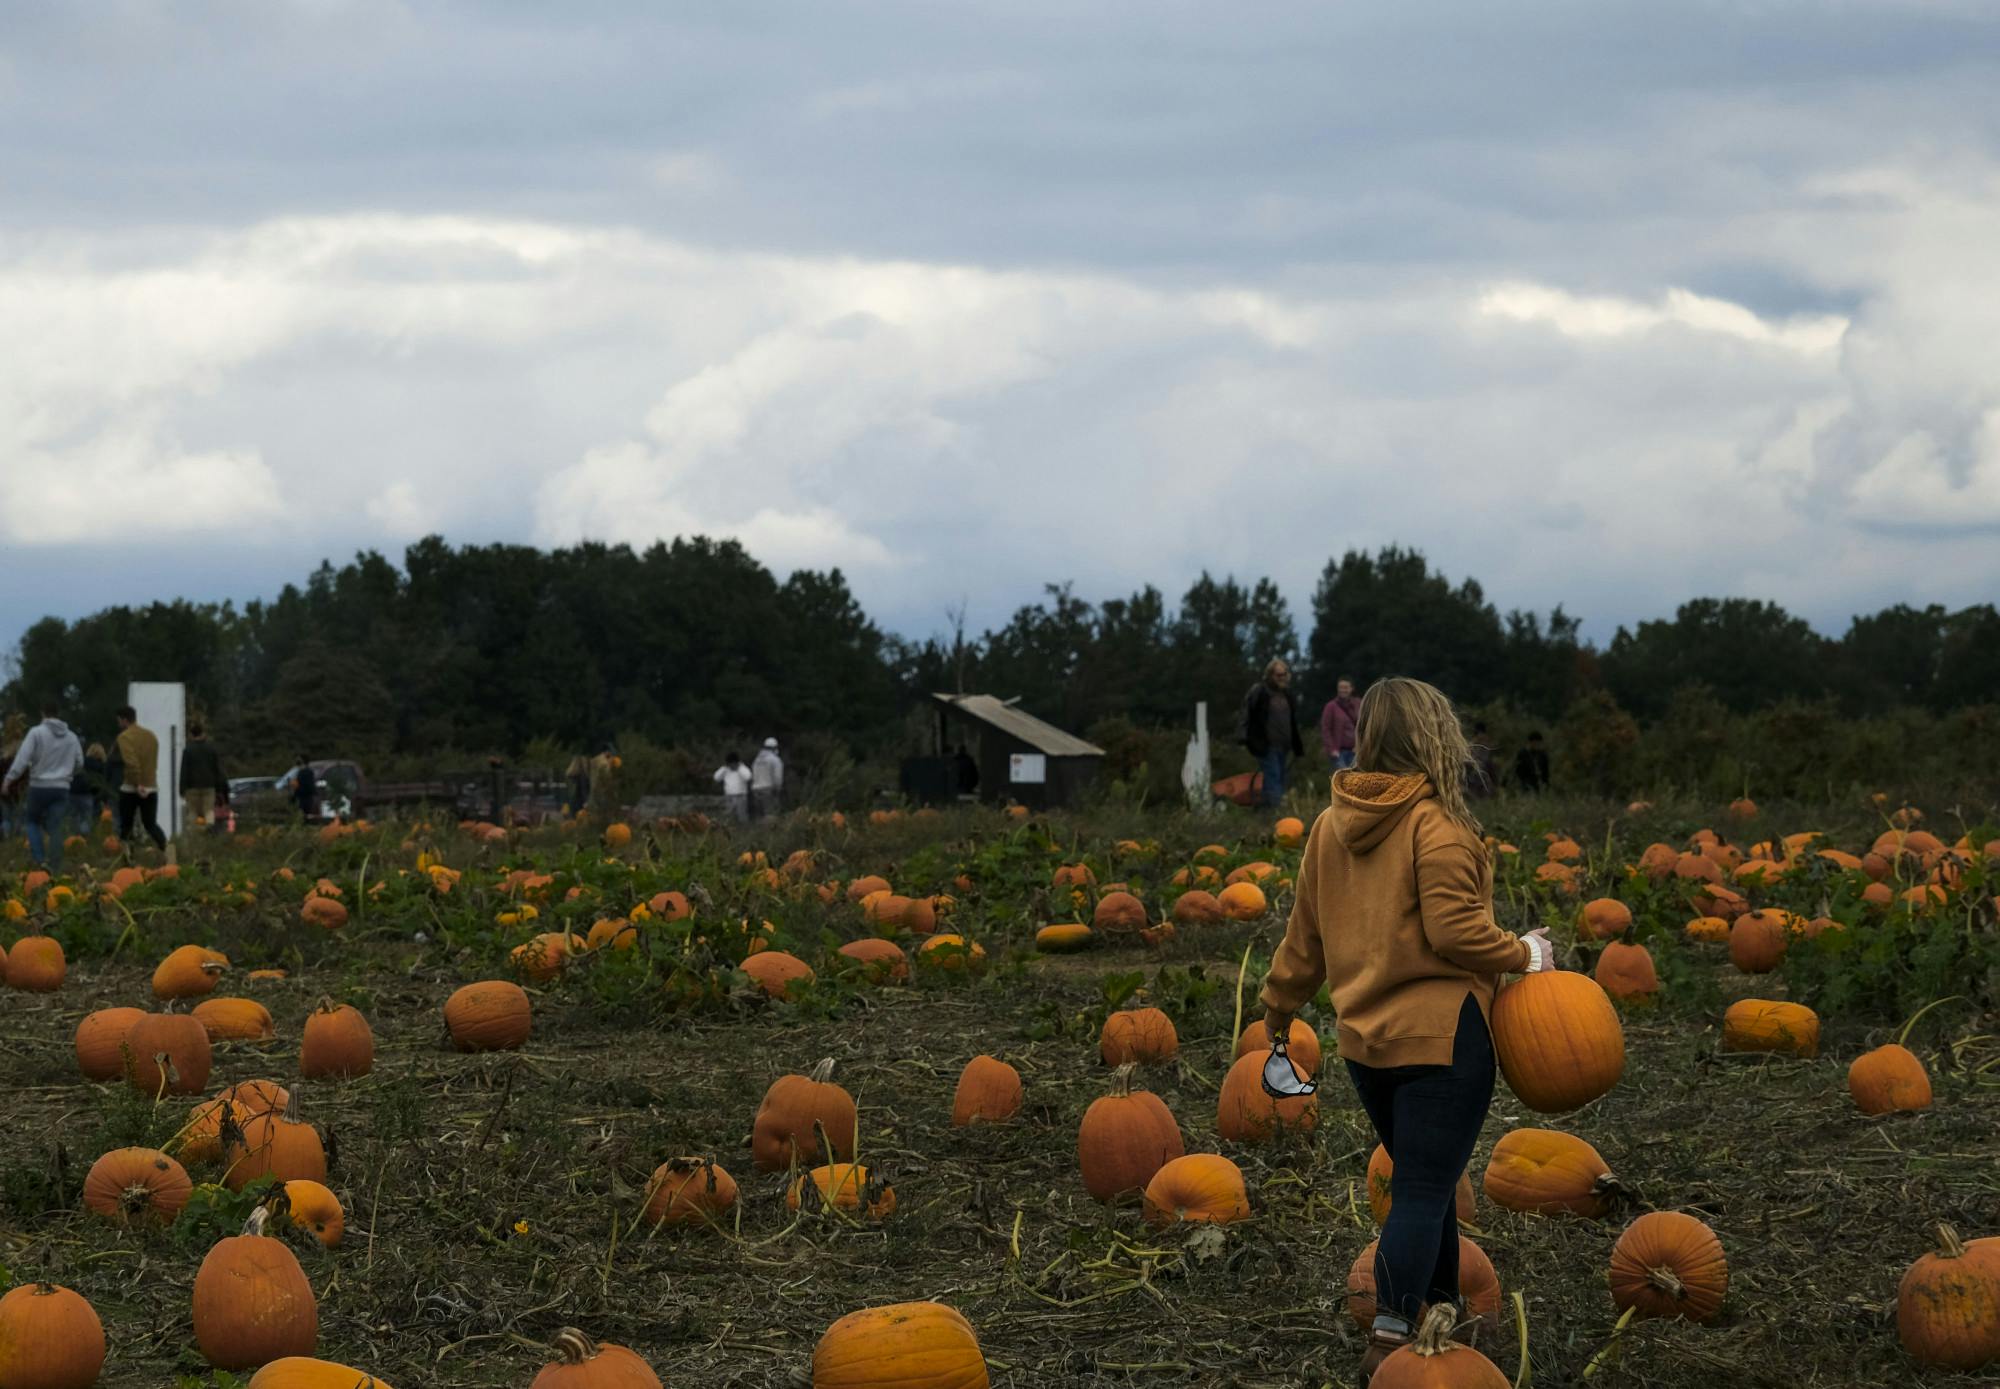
129, 487
1608, 316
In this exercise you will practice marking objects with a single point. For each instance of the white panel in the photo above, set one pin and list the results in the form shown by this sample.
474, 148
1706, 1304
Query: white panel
162, 707
1027, 768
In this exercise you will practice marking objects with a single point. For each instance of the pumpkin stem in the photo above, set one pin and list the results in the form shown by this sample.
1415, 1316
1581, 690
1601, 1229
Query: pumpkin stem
1434, 1336
292, 1105
573, 1346
1667, 1281
1950, 1246
135, 1198
822, 1071
258, 1219
1121, 1080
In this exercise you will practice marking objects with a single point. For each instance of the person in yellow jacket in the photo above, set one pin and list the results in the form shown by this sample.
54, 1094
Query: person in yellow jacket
1394, 914
139, 793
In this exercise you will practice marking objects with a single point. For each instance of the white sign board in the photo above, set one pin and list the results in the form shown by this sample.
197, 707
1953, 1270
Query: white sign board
1027, 768
162, 707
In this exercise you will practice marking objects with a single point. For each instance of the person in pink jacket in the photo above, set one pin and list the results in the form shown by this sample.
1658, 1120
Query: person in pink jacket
1339, 721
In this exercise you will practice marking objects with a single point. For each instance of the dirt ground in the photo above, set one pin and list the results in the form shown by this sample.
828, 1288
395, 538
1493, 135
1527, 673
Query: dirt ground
491, 1199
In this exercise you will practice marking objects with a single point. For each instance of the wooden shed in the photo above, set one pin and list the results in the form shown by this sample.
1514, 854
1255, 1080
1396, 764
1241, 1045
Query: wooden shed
1018, 756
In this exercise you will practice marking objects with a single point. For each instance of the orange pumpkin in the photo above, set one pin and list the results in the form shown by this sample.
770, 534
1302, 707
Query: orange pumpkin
1667, 1264
136, 1186
1119, 912
1145, 1035
1604, 918
796, 1111
36, 964
910, 1345
1889, 1080
338, 1043
235, 1020
50, 1338
1433, 1360
1064, 937
988, 1089
1196, 907
311, 1206
688, 1191
1948, 1304
777, 973
491, 1015
252, 1303
582, 1363
1243, 902
277, 1143
1758, 1024
1546, 1172
303, 1372
845, 1186
169, 1055
1197, 1187
1126, 1136
1246, 1114
189, 971
1757, 941
880, 960
1626, 973
1559, 1040
100, 1042
1302, 1041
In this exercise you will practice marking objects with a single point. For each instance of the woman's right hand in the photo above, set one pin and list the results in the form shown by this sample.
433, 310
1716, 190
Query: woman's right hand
1543, 952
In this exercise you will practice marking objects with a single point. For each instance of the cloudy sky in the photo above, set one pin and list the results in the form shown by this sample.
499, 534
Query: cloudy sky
1610, 305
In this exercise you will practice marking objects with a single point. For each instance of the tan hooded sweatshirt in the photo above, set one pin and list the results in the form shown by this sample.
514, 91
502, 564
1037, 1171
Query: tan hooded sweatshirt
1395, 915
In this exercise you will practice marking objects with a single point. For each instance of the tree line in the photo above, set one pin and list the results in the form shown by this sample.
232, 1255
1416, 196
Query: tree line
465, 651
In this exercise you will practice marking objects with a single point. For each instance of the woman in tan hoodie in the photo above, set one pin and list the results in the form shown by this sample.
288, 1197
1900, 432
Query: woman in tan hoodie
1394, 914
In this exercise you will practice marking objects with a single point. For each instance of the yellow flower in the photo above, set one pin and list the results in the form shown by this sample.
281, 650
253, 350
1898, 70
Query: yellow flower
520, 1227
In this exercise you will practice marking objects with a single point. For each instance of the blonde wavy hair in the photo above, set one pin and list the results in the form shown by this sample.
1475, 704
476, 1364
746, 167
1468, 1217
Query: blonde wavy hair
1408, 726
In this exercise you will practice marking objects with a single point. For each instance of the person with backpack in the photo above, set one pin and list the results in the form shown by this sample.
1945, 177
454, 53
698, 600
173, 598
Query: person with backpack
1270, 728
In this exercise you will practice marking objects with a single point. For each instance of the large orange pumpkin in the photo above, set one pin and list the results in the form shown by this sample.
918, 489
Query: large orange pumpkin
136, 1186
1198, 1187
303, 1372
189, 971
880, 960
1119, 912
311, 1206
1889, 1080
338, 1042
1626, 973
988, 1089
1759, 1024
1196, 907
1145, 1035
1603, 918
795, 1111
777, 973
1303, 1042
908, 1345
846, 1186
50, 1338
1668, 1264
491, 1015
169, 1055
1245, 1113
1558, 1039
582, 1363
1546, 1172
100, 1042
36, 965
278, 1144
1948, 1304
252, 1302
235, 1020
1433, 1360
1125, 1138
1243, 902
1757, 941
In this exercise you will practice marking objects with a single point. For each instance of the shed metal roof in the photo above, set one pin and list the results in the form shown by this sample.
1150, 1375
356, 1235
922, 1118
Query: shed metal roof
1017, 723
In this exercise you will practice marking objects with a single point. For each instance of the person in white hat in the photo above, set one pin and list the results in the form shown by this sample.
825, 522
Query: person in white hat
767, 780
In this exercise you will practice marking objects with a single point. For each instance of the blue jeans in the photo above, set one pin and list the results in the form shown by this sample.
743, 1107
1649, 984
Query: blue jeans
1273, 765
1343, 759
82, 812
1428, 1117
46, 805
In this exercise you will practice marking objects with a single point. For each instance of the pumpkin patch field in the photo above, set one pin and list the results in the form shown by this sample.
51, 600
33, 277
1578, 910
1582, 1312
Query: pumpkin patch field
942, 1100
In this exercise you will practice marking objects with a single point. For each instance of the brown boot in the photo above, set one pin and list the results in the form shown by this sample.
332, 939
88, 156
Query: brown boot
1381, 1345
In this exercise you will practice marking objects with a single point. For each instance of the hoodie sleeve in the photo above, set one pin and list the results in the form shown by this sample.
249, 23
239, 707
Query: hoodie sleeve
24, 756
1458, 918
1299, 967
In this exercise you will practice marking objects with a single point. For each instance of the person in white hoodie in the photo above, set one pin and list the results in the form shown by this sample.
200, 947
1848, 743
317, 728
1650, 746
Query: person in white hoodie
48, 758
767, 780
734, 776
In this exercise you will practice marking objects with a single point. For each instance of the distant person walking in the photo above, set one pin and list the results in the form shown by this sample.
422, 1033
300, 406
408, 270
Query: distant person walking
138, 795
1531, 765
303, 783
202, 782
603, 781
1339, 723
767, 780
735, 780
1270, 728
46, 760
577, 773
86, 791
